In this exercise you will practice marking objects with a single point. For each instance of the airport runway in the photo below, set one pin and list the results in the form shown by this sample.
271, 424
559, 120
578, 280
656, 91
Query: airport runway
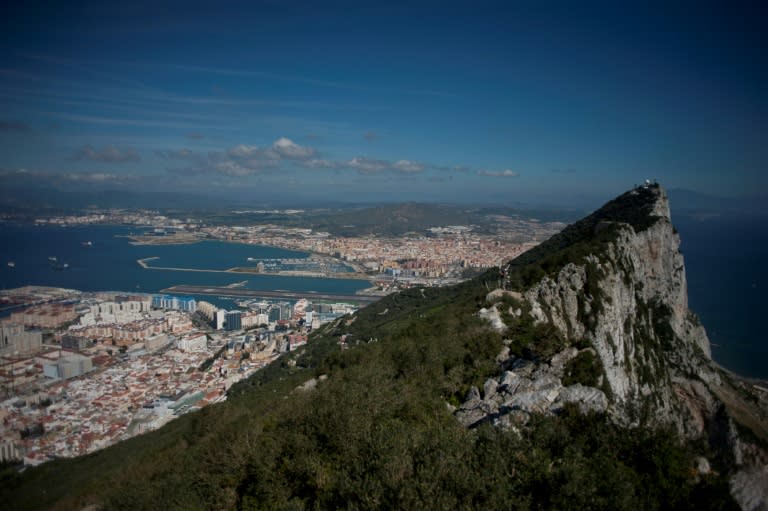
253, 293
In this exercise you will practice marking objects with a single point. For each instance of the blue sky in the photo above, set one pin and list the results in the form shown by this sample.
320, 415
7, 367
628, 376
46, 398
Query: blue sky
534, 103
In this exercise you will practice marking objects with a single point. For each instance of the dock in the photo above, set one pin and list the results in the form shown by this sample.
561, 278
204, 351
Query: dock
143, 262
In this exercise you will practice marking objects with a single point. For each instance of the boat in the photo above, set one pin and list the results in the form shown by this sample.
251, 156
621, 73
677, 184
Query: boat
61, 266
87, 243
252, 259
11, 264
52, 258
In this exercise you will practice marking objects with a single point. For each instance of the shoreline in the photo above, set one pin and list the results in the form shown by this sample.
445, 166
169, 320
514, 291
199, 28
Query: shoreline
760, 384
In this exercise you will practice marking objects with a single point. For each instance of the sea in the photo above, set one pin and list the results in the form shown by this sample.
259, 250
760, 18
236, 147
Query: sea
726, 260
101, 258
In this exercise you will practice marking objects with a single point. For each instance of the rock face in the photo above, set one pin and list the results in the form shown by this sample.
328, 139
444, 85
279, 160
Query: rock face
626, 297
528, 388
631, 302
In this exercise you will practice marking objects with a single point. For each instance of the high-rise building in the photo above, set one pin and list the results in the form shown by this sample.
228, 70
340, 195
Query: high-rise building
9, 451
182, 303
206, 309
286, 310
219, 318
14, 338
233, 321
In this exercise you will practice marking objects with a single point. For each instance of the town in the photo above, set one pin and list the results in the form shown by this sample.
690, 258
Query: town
81, 371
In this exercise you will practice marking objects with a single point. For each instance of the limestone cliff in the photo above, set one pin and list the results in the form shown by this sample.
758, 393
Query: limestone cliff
630, 301
612, 289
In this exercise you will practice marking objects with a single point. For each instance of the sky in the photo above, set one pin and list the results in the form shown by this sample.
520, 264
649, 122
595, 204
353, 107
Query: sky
498, 102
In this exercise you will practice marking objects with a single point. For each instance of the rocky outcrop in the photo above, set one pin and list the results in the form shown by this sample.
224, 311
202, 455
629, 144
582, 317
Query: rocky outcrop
527, 388
626, 297
748, 487
491, 314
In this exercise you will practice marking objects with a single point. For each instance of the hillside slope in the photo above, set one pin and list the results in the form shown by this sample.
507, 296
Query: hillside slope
580, 407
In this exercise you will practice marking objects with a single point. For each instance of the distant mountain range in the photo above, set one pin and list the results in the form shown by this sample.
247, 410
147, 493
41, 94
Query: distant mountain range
695, 203
339, 218
24, 198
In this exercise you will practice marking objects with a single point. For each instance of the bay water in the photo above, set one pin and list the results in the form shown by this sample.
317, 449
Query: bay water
109, 262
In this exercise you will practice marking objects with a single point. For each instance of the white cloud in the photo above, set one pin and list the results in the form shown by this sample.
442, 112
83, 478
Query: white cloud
232, 168
368, 165
288, 149
281, 149
243, 160
244, 151
109, 154
237, 161
365, 165
315, 163
408, 167
95, 177
59, 177
498, 173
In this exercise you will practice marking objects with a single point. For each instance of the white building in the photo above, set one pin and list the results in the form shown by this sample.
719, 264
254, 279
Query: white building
193, 343
9, 452
207, 309
135, 304
221, 315
13, 338
69, 366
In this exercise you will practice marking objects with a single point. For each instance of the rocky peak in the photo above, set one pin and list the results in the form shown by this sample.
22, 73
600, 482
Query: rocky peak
606, 299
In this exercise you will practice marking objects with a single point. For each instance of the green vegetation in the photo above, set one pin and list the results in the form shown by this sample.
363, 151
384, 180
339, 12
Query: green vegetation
585, 368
